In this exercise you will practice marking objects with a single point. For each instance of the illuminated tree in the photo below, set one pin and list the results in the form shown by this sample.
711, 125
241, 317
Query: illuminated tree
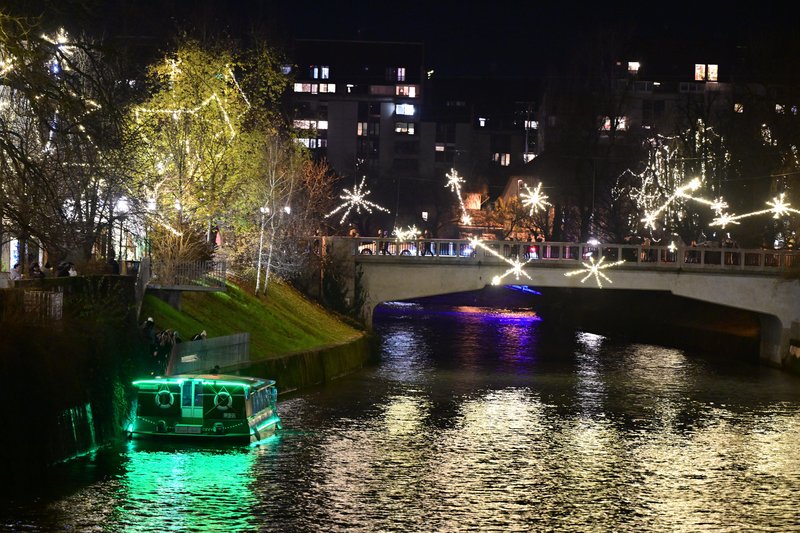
191, 133
61, 140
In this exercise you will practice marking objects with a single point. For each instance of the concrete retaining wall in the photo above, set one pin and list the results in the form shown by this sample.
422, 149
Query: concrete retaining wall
305, 369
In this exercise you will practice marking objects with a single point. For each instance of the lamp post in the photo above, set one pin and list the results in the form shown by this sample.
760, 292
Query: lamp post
122, 208
264, 211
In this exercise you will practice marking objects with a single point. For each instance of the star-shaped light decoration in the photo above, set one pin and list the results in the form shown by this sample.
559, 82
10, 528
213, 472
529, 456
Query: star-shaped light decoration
516, 265
534, 198
672, 247
454, 182
723, 219
356, 199
594, 269
778, 207
409, 234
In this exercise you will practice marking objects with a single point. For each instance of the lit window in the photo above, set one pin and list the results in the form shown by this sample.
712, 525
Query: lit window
780, 109
350, 88
699, 72
633, 67
406, 90
738, 108
439, 147
482, 122
794, 110
503, 159
425, 216
404, 127
362, 129
528, 157
712, 72
404, 109
620, 124
401, 74
531, 124
325, 72
322, 125
327, 87
286, 69
302, 124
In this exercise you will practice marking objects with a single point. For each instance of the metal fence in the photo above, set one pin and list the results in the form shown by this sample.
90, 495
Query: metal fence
190, 273
203, 355
43, 306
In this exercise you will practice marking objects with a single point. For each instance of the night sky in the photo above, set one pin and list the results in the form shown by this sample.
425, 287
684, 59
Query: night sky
477, 38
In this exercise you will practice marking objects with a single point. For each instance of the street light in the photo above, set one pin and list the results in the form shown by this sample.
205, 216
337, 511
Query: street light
122, 208
264, 211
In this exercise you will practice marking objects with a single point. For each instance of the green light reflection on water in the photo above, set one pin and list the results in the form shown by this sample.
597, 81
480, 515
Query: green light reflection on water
192, 489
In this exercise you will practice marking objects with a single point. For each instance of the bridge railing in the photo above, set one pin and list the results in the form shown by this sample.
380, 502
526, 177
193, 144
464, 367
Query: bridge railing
564, 253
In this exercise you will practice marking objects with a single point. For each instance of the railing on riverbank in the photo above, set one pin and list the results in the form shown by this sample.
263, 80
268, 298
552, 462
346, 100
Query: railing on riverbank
203, 356
188, 275
555, 253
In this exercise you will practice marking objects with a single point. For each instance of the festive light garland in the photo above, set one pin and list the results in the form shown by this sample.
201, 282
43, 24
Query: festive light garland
356, 199
594, 269
778, 208
534, 198
454, 182
516, 265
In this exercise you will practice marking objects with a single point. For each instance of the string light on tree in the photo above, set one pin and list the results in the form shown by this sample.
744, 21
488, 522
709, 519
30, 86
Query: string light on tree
534, 199
593, 268
454, 182
516, 265
356, 199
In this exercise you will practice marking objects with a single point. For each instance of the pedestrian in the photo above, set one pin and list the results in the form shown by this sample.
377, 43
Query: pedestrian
113, 266
15, 273
385, 244
35, 272
426, 235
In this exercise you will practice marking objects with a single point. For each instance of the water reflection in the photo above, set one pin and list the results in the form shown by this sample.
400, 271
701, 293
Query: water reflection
483, 420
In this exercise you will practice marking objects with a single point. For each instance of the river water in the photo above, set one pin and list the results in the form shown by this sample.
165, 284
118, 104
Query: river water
475, 419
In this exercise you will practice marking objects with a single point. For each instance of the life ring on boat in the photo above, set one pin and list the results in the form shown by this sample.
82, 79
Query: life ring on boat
164, 398
223, 400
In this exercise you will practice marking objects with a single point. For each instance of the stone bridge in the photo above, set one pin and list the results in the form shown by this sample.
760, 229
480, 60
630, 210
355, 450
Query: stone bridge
761, 281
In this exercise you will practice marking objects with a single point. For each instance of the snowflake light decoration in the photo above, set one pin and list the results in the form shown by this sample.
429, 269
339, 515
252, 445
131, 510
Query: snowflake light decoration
534, 198
778, 207
594, 269
454, 182
356, 199
409, 234
516, 265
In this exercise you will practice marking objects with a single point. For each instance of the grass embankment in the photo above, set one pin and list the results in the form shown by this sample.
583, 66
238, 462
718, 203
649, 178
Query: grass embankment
280, 323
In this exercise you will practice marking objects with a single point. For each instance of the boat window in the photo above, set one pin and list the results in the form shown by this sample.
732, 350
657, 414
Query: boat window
198, 394
186, 394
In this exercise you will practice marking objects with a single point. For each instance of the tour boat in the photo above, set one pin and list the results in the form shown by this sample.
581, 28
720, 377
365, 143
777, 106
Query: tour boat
206, 407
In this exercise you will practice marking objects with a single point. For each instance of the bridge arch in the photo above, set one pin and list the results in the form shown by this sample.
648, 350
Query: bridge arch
752, 280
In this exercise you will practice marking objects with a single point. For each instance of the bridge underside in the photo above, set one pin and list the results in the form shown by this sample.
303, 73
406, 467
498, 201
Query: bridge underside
774, 300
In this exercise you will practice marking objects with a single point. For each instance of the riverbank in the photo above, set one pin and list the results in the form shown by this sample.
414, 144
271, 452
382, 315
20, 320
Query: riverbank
292, 339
